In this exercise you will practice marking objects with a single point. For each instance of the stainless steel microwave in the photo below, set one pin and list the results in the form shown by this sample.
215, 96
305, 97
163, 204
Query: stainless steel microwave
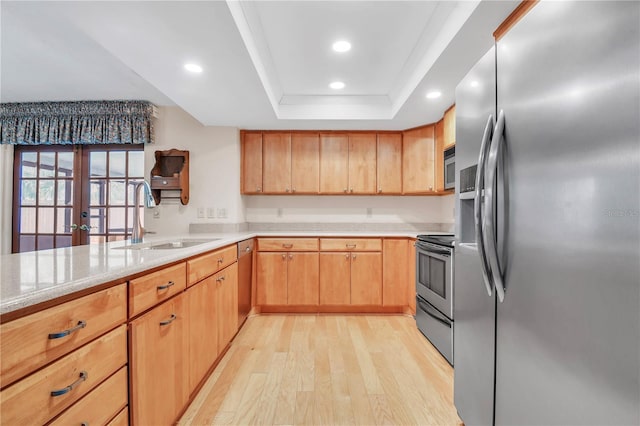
450, 168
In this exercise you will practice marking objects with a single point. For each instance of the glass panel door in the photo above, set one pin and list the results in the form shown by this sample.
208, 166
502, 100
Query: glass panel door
72, 195
44, 198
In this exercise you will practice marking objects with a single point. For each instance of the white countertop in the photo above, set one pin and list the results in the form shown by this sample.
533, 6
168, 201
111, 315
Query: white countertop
30, 278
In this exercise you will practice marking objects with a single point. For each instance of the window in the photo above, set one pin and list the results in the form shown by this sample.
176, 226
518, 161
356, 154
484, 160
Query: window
73, 195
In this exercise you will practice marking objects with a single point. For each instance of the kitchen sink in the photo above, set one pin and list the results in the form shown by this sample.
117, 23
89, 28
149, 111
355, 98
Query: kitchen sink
166, 245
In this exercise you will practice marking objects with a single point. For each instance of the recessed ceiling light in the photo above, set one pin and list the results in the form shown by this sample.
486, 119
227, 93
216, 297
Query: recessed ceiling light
193, 68
341, 46
474, 83
337, 85
434, 95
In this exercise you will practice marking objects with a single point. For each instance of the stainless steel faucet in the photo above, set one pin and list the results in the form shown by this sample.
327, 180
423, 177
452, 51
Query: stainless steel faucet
138, 230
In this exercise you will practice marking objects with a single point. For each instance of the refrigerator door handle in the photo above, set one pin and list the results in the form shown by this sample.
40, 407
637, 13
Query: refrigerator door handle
477, 204
489, 202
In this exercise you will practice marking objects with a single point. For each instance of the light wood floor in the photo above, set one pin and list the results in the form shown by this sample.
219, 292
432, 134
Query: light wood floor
327, 369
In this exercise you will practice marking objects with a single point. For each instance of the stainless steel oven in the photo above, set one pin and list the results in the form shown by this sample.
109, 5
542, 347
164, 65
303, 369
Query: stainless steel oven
434, 288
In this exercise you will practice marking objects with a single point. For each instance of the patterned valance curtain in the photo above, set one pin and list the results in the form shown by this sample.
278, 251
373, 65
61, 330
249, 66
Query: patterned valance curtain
87, 122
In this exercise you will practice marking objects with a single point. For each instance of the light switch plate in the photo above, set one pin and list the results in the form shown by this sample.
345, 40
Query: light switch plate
211, 212
200, 212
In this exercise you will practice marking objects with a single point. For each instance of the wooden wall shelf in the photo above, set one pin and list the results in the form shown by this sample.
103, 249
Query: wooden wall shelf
171, 173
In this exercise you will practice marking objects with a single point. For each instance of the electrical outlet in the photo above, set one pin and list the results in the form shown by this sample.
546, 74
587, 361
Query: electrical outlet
211, 212
222, 213
200, 212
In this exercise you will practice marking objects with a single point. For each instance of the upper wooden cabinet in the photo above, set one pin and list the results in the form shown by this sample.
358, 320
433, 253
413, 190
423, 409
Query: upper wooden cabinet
439, 155
276, 162
251, 163
449, 127
305, 163
334, 163
389, 163
362, 163
418, 160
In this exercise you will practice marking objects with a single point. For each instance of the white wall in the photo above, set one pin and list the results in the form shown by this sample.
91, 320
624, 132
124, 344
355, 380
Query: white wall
214, 171
349, 209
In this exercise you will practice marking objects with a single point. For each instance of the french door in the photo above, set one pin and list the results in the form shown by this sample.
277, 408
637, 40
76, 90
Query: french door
72, 195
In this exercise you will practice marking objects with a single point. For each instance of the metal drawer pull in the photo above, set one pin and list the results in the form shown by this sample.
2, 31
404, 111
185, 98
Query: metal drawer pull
220, 279
346, 256
84, 424
221, 259
248, 249
353, 257
284, 256
287, 245
83, 376
81, 324
166, 286
171, 319
351, 245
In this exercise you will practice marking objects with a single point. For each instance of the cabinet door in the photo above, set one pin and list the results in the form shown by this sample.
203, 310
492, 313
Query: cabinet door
335, 269
439, 156
303, 279
450, 127
227, 304
366, 278
412, 276
362, 163
395, 272
203, 331
159, 373
276, 154
305, 163
271, 278
334, 164
252, 163
389, 163
417, 160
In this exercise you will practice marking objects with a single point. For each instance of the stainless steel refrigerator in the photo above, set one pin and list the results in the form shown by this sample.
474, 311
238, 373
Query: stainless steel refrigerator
547, 271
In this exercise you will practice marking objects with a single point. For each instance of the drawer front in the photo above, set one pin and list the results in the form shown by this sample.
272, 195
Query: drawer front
151, 289
31, 342
350, 244
122, 419
101, 405
30, 401
165, 182
287, 244
210, 263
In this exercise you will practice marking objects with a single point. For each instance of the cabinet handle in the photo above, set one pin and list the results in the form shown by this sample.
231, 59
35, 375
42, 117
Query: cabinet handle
293, 190
171, 319
287, 246
258, 189
284, 256
219, 279
351, 245
353, 257
351, 190
287, 190
221, 259
345, 190
346, 256
431, 188
290, 256
84, 424
379, 190
83, 376
247, 249
166, 286
81, 324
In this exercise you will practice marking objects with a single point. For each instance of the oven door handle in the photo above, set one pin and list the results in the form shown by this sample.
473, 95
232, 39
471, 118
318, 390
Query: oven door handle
477, 204
425, 308
430, 250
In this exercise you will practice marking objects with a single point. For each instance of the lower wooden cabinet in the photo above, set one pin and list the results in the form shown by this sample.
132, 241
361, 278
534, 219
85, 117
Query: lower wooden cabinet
122, 419
202, 314
38, 398
227, 304
159, 369
287, 278
396, 281
100, 406
352, 278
